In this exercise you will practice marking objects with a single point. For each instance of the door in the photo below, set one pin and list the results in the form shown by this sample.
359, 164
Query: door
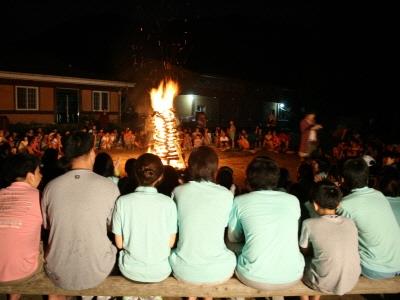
67, 106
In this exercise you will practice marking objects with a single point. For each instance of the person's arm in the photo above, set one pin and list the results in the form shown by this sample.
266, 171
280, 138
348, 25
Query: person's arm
172, 240
235, 230
304, 243
119, 241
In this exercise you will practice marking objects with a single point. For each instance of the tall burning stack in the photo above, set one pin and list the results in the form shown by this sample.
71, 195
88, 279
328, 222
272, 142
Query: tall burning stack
165, 136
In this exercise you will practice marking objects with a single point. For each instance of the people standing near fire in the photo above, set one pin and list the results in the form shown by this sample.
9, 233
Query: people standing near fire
232, 133
201, 256
308, 135
271, 120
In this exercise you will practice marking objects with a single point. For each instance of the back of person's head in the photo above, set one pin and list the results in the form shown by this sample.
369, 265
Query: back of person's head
148, 169
19, 165
262, 174
103, 165
169, 182
203, 164
389, 182
284, 179
5, 151
305, 172
130, 167
326, 194
77, 144
355, 173
225, 177
129, 183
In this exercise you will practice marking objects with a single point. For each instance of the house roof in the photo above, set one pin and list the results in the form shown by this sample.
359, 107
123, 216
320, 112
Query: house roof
64, 79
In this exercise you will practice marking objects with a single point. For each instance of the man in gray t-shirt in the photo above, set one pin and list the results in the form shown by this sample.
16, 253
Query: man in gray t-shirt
77, 209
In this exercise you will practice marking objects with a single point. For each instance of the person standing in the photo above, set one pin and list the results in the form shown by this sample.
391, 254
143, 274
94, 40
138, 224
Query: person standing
232, 133
308, 135
77, 210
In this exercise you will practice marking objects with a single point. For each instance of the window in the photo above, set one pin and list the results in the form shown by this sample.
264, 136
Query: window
27, 98
101, 101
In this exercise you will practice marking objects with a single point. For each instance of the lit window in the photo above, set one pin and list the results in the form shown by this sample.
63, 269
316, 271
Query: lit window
101, 101
27, 98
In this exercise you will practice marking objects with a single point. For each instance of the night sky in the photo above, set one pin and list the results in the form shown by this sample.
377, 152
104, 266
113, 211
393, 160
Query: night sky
327, 53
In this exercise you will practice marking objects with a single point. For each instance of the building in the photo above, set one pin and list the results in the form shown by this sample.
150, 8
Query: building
49, 99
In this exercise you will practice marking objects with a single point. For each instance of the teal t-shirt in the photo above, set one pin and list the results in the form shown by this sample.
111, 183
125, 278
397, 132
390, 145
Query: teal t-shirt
269, 222
378, 231
201, 255
146, 220
395, 204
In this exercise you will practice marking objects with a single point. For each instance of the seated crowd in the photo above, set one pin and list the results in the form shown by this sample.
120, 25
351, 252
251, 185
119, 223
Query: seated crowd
198, 227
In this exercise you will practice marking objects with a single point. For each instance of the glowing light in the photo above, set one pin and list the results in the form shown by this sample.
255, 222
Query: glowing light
165, 137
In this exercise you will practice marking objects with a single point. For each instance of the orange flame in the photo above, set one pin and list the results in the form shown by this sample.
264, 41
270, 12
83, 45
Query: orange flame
165, 137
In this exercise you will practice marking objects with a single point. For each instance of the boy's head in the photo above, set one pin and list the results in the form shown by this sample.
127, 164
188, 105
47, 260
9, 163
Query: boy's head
225, 176
77, 144
203, 164
326, 195
262, 174
149, 169
23, 167
355, 173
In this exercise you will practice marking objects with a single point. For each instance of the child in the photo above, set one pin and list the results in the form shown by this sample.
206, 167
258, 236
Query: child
20, 220
267, 220
335, 263
145, 225
201, 256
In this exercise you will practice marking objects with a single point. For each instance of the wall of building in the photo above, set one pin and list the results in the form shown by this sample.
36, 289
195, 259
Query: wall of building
47, 103
7, 97
46, 98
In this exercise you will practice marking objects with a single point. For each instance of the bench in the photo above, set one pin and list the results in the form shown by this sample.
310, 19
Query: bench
120, 286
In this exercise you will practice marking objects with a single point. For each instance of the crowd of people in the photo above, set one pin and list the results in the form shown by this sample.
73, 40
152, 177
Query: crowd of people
326, 228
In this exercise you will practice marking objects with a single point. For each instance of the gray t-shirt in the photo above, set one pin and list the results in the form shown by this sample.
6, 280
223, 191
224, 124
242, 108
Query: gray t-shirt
335, 265
77, 208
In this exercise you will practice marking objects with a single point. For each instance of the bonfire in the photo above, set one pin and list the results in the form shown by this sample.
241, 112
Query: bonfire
165, 135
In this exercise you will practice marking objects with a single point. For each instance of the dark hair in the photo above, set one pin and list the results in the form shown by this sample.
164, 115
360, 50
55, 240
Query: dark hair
225, 176
148, 169
130, 167
129, 183
355, 173
389, 183
203, 164
77, 144
19, 165
169, 182
326, 194
262, 174
103, 165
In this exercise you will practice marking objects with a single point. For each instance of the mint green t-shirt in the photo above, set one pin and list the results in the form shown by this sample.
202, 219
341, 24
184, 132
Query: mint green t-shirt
146, 220
378, 231
201, 255
395, 204
269, 222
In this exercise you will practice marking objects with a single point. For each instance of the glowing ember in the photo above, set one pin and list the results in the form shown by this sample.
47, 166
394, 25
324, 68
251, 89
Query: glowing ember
165, 136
